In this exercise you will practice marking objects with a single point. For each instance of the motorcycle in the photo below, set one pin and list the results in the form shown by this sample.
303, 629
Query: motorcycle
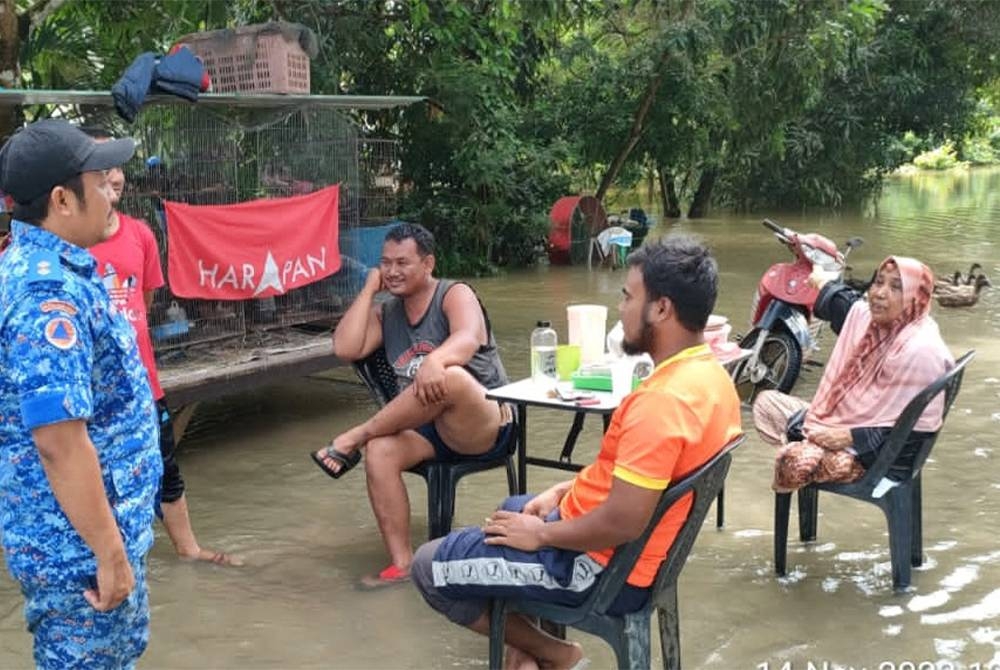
783, 332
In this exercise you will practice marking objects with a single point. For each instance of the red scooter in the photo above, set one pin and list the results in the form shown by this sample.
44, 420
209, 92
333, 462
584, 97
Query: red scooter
783, 332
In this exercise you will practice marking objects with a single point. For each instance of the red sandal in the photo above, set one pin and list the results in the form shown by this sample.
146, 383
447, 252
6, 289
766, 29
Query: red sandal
391, 575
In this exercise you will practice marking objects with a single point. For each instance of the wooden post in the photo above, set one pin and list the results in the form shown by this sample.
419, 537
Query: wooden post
181, 419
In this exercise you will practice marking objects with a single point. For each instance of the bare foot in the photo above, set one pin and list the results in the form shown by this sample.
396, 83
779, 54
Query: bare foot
515, 659
334, 459
570, 657
328, 462
214, 557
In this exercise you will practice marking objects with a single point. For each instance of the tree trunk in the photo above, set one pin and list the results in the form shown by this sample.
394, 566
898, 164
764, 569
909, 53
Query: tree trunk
651, 174
10, 45
702, 196
671, 205
639, 120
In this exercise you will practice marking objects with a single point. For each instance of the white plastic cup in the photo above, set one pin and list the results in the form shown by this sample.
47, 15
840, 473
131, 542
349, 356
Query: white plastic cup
622, 372
716, 337
587, 327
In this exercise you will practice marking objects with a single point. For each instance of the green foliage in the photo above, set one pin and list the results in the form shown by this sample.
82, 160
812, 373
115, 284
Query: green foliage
480, 173
979, 151
917, 71
87, 44
994, 140
481, 182
776, 102
943, 157
786, 102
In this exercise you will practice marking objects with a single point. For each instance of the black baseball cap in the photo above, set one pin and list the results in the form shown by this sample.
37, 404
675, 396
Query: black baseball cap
45, 154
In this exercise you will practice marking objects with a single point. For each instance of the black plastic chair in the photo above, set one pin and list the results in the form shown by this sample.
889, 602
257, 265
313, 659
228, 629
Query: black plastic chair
901, 504
442, 477
629, 634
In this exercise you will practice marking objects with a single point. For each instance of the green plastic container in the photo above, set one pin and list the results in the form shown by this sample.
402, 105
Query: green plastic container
592, 380
597, 378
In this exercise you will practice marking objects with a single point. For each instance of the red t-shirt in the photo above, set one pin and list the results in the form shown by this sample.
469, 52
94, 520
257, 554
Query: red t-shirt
129, 263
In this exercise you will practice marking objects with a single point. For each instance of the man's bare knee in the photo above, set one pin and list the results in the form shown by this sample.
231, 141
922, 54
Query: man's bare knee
462, 386
383, 453
460, 376
389, 456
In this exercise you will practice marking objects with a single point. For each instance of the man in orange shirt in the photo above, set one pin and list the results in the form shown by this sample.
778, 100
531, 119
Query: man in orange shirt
554, 546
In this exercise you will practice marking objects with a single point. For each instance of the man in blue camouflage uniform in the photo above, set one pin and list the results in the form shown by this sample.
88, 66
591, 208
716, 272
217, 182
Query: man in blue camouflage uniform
79, 461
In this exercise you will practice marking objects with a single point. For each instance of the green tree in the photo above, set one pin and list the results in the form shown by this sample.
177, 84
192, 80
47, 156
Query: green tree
743, 104
917, 69
477, 173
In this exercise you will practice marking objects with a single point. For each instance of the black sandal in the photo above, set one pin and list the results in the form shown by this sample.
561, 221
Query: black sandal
347, 461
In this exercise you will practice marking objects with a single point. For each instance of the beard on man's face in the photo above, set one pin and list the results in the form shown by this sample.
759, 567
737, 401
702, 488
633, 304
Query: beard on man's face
645, 341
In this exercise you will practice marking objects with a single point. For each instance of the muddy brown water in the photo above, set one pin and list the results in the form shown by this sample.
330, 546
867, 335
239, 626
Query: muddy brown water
307, 539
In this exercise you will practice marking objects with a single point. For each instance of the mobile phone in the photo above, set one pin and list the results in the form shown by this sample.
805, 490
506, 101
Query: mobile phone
571, 395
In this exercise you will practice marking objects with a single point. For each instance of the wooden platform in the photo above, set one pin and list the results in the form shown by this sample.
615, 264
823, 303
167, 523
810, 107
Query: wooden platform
210, 370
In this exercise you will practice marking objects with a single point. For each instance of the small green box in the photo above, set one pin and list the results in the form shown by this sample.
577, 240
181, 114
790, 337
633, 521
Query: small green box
592, 381
597, 378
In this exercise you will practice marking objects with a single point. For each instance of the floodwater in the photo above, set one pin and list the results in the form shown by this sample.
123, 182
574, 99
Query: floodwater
307, 539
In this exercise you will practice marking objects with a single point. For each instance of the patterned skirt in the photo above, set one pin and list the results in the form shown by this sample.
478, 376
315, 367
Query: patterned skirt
799, 463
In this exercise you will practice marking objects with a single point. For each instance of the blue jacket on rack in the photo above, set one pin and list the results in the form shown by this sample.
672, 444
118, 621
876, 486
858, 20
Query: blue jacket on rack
179, 73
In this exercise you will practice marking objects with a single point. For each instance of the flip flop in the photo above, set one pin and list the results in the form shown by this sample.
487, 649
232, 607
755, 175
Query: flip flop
388, 577
347, 461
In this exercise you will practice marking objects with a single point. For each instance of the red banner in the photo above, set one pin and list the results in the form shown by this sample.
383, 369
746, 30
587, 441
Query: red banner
252, 249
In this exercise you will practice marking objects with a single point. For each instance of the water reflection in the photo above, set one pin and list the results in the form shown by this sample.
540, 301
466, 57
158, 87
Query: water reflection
307, 539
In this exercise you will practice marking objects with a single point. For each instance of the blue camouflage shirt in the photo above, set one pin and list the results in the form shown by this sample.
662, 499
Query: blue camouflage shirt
66, 354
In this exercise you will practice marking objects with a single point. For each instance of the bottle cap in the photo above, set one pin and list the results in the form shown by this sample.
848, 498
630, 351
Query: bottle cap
543, 324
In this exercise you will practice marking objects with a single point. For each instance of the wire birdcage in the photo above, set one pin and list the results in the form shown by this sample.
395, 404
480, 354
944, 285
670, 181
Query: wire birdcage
379, 169
237, 148
210, 156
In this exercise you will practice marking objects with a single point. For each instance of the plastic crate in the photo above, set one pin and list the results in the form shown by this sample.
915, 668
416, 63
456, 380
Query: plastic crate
251, 59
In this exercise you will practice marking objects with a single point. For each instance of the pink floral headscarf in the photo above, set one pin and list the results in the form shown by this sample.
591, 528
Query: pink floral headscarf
875, 370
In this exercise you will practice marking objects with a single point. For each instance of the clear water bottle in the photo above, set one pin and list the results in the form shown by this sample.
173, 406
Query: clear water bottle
543, 355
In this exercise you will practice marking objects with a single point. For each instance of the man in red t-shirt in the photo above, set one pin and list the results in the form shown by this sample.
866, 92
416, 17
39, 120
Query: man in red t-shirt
129, 263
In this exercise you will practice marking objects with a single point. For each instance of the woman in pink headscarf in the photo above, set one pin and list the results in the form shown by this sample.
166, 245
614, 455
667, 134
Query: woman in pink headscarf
889, 349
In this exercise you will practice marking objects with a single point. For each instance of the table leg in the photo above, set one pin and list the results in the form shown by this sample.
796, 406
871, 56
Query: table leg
522, 448
567, 451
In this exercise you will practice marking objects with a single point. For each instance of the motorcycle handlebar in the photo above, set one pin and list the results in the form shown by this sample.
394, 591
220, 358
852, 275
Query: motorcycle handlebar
768, 223
780, 232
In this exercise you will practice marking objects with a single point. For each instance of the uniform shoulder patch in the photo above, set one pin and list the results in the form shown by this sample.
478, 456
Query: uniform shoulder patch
44, 265
60, 332
59, 306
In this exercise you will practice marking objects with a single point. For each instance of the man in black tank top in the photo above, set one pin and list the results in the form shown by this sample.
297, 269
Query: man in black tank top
438, 339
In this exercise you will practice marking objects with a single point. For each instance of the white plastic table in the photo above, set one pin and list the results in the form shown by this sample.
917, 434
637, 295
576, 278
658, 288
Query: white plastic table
524, 392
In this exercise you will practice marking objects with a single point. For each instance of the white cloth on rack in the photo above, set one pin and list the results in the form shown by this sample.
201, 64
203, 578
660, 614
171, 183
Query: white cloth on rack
615, 235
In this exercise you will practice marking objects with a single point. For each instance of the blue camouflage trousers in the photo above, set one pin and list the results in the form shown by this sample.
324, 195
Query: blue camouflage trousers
69, 633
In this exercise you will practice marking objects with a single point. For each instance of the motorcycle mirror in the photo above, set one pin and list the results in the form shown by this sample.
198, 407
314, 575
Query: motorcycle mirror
855, 242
